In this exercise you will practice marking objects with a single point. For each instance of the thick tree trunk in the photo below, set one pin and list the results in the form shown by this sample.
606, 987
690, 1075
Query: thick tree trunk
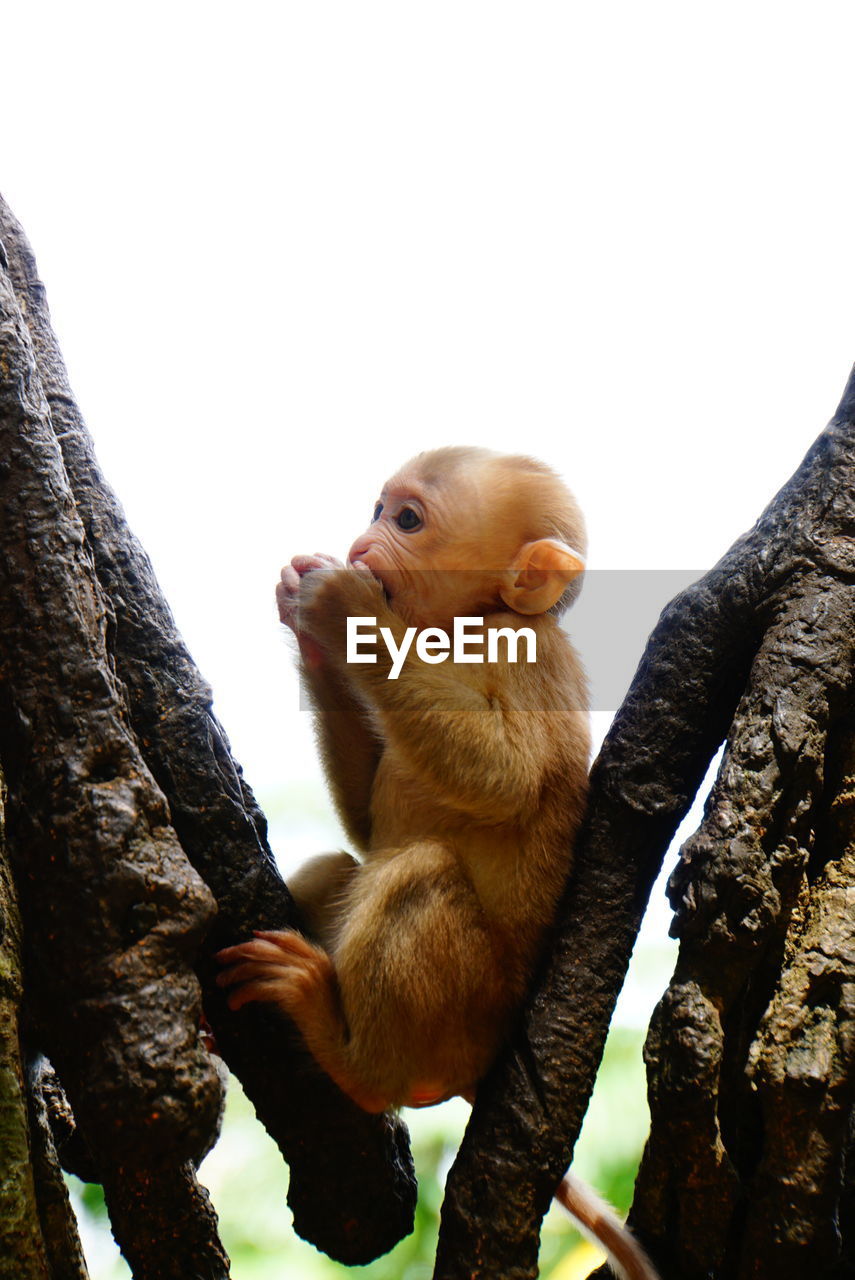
751, 1050
112, 757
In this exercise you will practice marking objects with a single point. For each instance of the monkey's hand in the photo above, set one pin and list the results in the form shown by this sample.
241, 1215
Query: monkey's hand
327, 600
288, 586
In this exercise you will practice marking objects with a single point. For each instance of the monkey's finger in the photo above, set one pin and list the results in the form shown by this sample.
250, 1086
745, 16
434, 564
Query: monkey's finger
306, 564
249, 971
287, 595
288, 941
256, 949
262, 989
361, 569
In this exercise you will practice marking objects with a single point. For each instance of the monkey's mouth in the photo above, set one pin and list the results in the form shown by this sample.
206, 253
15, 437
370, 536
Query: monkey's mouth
383, 580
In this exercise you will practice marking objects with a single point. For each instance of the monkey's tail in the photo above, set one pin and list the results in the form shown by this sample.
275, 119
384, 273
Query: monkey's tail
599, 1221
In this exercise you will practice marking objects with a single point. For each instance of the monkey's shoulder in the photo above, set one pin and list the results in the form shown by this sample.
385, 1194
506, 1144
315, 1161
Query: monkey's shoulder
546, 672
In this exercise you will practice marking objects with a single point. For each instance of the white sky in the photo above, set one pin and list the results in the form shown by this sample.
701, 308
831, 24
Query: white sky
287, 245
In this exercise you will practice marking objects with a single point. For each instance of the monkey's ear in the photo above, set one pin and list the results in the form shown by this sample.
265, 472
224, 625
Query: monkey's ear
540, 575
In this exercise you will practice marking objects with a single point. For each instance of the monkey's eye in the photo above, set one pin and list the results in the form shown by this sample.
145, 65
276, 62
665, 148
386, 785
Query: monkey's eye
377, 511
408, 519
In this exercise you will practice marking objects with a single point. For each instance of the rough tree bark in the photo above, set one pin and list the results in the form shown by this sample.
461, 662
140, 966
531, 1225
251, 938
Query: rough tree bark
129, 828
38, 1236
750, 1166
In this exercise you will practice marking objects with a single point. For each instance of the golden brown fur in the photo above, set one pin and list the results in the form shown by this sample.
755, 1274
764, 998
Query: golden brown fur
462, 785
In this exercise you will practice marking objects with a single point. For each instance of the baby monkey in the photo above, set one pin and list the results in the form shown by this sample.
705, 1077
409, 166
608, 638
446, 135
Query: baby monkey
460, 780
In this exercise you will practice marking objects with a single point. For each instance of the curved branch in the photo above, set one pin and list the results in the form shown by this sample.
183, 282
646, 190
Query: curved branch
352, 1187
681, 703
111, 907
757, 1026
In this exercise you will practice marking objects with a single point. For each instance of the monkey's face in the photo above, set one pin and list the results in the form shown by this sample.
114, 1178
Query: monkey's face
436, 546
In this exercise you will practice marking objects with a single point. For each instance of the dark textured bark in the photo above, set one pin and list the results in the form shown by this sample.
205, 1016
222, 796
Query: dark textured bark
89, 812
38, 1233
113, 757
845, 1268
750, 1051
112, 909
762, 1004
55, 1214
146, 1202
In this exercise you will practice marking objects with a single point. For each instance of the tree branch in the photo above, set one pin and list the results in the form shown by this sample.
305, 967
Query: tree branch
55, 1214
352, 1188
25, 1253
112, 909
760, 1009
689, 683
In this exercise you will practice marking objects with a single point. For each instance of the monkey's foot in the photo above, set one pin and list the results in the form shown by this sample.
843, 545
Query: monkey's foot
284, 969
279, 967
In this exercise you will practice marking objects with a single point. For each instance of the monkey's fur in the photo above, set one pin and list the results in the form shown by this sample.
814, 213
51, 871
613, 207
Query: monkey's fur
462, 785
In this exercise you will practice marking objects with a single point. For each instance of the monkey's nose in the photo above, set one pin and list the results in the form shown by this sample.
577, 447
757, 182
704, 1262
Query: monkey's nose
361, 546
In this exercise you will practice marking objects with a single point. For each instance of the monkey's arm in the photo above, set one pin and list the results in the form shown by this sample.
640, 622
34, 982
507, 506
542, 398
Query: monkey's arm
349, 747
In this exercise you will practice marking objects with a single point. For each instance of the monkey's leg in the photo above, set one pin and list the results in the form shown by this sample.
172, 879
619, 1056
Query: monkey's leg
320, 889
283, 968
424, 976
416, 997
